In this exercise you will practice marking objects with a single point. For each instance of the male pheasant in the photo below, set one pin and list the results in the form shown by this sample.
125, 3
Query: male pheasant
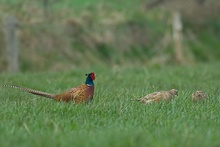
199, 95
79, 94
158, 96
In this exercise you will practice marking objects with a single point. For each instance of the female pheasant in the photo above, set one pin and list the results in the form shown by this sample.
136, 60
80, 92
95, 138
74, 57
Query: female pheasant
79, 94
166, 96
199, 95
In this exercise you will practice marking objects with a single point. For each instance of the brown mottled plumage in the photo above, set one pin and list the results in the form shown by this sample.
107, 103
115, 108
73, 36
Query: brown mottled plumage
199, 95
158, 96
81, 93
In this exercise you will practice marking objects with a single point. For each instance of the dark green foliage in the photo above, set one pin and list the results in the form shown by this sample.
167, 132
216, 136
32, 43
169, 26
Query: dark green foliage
100, 32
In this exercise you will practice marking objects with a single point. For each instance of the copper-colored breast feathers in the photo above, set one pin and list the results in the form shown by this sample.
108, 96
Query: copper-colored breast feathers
82, 93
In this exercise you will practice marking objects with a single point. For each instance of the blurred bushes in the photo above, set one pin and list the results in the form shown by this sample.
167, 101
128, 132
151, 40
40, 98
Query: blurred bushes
101, 34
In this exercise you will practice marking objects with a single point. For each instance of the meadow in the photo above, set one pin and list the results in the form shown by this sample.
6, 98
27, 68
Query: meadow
130, 48
112, 119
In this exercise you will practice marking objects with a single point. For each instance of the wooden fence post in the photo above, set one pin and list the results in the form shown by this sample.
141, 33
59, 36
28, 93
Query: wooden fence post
12, 52
46, 7
177, 37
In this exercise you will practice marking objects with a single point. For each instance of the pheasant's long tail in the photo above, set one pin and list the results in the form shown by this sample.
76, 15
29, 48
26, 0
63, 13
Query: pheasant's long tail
143, 100
148, 101
35, 92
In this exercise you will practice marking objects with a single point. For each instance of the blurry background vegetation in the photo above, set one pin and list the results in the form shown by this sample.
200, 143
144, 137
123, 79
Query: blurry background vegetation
58, 35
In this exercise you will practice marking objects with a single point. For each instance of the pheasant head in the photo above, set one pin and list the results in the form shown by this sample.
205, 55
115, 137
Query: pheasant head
90, 77
173, 92
199, 95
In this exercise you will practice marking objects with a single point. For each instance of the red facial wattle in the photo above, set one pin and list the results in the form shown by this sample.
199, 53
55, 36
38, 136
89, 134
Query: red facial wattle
92, 76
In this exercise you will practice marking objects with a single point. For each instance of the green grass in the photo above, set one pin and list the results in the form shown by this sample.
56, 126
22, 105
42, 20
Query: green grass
112, 119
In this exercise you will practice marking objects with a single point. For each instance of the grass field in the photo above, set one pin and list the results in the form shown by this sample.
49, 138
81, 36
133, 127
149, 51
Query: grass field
112, 119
